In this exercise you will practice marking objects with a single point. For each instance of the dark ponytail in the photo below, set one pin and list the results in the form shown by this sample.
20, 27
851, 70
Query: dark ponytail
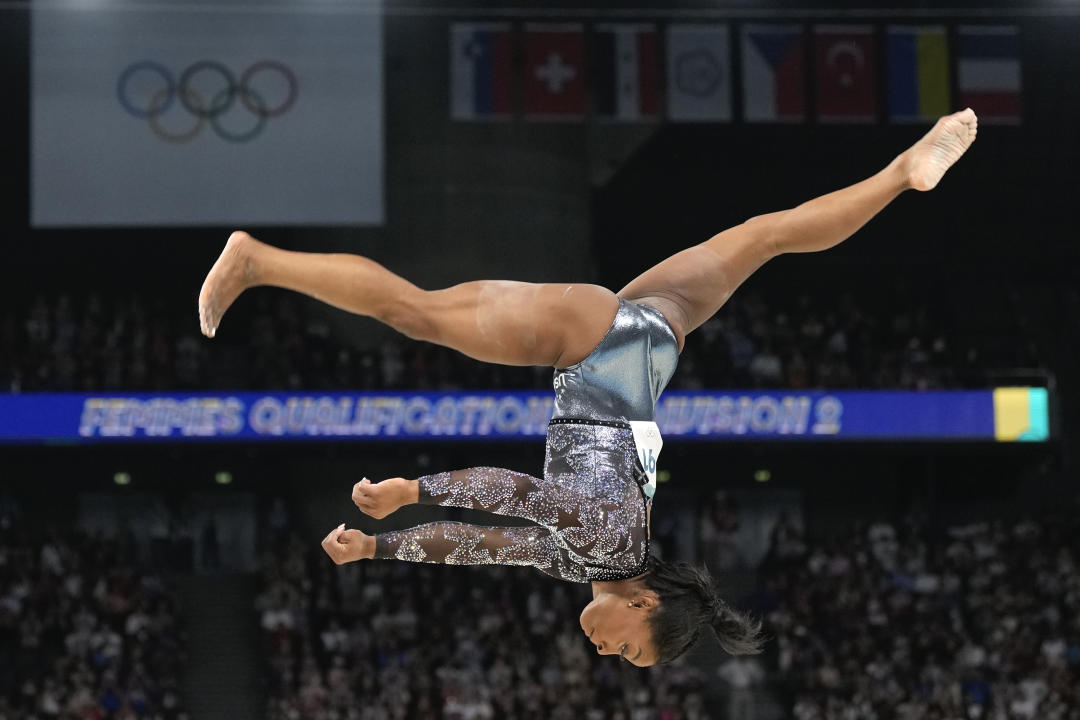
737, 632
687, 604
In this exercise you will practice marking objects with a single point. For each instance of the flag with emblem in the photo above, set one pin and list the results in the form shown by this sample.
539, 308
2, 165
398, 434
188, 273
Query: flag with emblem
988, 71
625, 72
774, 73
554, 71
918, 72
699, 72
846, 73
480, 67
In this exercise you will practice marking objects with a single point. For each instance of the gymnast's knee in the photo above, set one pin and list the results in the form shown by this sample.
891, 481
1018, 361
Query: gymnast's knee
411, 315
767, 231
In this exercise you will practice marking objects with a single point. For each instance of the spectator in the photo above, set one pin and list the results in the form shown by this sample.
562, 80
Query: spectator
491, 642
83, 631
743, 675
981, 622
97, 344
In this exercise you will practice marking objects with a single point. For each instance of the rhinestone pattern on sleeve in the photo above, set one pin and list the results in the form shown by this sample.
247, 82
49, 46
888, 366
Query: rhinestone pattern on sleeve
589, 508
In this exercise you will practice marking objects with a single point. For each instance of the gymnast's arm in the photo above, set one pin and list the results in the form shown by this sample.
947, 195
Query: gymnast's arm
453, 543
494, 490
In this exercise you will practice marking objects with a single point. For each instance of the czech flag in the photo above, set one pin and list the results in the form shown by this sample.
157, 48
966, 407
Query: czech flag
918, 73
480, 69
774, 73
988, 71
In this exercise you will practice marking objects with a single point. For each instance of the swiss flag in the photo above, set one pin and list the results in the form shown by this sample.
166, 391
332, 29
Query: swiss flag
846, 73
555, 70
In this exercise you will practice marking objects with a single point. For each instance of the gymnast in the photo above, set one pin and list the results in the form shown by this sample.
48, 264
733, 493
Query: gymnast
613, 354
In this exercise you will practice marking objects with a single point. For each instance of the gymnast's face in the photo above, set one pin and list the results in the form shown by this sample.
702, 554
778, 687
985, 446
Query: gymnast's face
620, 626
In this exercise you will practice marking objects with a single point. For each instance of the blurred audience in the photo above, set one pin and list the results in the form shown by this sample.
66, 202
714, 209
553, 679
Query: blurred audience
383, 640
840, 343
93, 344
84, 634
888, 621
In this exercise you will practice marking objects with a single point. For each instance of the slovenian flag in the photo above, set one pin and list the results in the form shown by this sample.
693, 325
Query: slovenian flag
846, 73
988, 71
480, 69
626, 72
918, 72
774, 73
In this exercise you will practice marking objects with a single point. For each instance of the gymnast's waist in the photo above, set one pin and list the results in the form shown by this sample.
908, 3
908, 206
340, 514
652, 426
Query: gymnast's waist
623, 424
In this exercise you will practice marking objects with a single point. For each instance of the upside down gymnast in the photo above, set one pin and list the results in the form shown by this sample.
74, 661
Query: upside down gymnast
613, 354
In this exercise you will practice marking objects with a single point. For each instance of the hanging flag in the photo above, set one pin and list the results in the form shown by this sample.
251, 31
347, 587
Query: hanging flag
988, 71
554, 71
699, 72
918, 72
846, 73
480, 66
774, 73
625, 71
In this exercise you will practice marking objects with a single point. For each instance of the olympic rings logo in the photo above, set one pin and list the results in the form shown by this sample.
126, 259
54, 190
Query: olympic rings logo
154, 103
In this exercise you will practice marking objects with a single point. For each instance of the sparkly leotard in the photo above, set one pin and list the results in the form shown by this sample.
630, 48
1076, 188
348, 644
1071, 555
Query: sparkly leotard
590, 507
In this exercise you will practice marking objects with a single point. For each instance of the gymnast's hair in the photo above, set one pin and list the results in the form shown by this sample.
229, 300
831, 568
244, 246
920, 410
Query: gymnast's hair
687, 604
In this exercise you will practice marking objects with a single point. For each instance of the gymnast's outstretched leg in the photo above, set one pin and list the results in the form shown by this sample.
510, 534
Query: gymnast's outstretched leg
499, 321
690, 286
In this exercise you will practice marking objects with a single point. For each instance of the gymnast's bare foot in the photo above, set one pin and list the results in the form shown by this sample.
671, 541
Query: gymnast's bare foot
233, 273
927, 160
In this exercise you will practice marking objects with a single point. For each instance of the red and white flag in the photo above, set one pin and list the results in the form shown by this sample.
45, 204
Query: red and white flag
846, 62
625, 71
989, 72
774, 73
554, 71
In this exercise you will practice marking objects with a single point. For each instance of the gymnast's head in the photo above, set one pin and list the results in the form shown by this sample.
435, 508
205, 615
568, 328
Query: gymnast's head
656, 617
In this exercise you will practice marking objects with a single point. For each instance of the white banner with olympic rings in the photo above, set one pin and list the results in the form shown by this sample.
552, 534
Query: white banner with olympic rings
160, 116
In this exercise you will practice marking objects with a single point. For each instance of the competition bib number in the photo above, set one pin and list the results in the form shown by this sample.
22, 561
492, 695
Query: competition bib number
648, 442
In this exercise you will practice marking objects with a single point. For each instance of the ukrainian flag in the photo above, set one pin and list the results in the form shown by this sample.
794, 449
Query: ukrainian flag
1021, 413
918, 72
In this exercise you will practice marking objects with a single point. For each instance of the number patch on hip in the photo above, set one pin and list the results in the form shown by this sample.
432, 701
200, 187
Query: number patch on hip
648, 442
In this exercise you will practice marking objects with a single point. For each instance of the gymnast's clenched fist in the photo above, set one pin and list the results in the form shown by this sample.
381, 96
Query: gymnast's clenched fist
348, 545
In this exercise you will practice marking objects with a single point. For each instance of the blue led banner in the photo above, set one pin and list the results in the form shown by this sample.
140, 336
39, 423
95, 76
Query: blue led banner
1002, 414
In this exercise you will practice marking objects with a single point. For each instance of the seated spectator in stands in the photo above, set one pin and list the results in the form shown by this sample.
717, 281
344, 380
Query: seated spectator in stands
83, 631
981, 622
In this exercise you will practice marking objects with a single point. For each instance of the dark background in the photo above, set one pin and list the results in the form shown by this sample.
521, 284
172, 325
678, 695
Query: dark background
993, 251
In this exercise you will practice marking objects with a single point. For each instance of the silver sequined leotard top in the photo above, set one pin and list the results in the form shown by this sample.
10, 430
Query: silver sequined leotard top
589, 508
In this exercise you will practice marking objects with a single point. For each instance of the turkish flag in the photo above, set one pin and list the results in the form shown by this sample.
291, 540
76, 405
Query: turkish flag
555, 71
846, 73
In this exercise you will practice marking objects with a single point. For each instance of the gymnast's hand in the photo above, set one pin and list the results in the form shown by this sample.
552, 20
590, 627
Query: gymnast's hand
348, 545
382, 498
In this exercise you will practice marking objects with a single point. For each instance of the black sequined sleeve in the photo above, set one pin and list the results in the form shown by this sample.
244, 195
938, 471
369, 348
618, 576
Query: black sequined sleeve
492, 489
455, 543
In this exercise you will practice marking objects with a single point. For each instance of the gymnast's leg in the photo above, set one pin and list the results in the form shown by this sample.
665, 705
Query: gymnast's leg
690, 286
512, 323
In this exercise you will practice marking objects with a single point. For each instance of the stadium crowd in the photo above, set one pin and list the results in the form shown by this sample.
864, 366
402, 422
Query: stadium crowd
895, 621
389, 640
84, 634
95, 344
